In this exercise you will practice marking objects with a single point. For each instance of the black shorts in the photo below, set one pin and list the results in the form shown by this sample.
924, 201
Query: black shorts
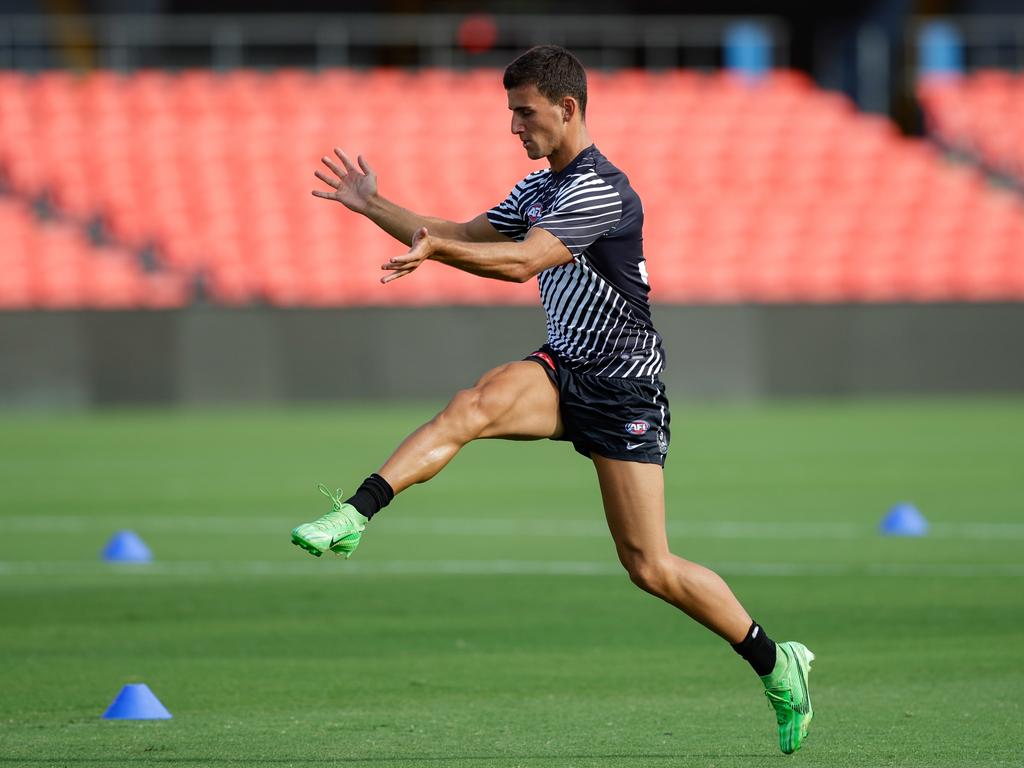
625, 419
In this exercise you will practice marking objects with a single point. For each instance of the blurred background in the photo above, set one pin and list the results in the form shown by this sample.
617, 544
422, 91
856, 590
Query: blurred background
834, 198
189, 341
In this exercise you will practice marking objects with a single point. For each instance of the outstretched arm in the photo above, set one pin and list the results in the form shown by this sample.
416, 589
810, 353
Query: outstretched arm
512, 261
356, 189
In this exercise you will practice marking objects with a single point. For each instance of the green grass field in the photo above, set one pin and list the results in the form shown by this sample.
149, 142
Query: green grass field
484, 620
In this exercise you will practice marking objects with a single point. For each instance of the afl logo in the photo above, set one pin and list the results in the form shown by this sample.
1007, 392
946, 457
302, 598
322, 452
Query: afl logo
534, 212
637, 428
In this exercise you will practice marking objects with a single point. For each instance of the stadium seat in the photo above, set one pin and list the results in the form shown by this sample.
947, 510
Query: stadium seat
54, 265
980, 115
775, 191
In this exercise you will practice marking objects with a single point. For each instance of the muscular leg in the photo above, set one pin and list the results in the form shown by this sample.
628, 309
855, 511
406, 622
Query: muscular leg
634, 504
515, 401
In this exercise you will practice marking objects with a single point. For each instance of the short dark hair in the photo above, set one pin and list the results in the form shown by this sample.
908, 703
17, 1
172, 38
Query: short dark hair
555, 72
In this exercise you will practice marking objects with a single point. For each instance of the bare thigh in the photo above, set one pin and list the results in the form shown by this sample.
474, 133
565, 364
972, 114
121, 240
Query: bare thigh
634, 504
515, 401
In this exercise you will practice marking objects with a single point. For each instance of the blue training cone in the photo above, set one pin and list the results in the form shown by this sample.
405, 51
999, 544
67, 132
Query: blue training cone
903, 520
126, 547
136, 702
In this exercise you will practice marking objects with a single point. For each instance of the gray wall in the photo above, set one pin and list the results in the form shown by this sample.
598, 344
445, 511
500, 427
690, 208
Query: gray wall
217, 355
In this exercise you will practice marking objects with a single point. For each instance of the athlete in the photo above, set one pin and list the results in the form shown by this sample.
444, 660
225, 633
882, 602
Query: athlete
577, 227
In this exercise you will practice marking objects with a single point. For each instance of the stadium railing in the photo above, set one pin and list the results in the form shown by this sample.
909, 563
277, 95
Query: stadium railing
128, 42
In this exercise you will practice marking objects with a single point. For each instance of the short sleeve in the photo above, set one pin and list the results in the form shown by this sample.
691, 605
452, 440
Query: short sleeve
582, 212
507, 218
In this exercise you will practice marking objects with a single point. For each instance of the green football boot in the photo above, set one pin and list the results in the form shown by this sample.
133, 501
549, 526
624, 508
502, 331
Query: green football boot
338, 531
787, 691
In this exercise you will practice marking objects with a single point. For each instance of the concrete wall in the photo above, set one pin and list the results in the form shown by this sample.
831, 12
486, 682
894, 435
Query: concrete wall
216, 355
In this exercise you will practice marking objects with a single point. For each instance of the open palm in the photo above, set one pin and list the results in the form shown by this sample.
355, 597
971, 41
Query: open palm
351, 186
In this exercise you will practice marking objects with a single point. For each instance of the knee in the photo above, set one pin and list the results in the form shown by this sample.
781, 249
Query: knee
651, 574
471, 411
462, 416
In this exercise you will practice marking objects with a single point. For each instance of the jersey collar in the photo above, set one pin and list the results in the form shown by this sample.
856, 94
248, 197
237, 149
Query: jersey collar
575, 162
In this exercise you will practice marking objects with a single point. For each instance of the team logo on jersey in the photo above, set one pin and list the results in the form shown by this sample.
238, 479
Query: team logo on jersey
637, 428
662, 441
533, 213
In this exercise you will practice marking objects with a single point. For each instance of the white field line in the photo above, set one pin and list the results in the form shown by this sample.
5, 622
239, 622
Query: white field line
337, 569
502, 527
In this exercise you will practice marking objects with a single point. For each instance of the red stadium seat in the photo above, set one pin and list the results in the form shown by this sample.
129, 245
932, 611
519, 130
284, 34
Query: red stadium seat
53, 265
980, 115
767, 191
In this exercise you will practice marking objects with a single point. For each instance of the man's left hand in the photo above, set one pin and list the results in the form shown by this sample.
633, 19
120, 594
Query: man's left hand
400, 266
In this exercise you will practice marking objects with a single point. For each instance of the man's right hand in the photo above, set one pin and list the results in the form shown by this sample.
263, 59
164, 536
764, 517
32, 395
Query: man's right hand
351, 186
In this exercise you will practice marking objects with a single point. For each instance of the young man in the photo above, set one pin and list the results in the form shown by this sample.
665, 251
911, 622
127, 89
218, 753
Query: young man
577, 227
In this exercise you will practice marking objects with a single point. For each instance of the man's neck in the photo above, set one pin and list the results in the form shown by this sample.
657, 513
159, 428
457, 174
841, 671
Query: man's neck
570, 149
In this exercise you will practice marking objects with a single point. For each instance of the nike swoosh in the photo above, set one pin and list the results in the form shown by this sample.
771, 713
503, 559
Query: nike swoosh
338, 539
633, 446
805, 703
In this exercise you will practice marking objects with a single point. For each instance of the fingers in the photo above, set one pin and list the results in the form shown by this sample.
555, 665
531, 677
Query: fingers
344, 159
395, 275
327, 179
405, 260
334, 168
400, 266
365, 166
324, 195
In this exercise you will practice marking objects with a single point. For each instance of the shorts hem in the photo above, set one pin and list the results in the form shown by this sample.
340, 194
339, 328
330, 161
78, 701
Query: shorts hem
637, 458
547, 368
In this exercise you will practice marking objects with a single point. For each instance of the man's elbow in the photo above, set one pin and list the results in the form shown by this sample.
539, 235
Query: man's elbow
530, 262
522, 272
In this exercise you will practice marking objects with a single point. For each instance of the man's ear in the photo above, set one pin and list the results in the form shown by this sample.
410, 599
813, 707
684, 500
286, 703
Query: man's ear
569, 108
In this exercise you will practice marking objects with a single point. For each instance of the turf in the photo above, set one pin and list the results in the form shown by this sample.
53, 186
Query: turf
484, 620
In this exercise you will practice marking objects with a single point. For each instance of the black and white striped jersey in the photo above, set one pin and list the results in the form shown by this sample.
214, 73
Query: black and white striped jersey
598, 314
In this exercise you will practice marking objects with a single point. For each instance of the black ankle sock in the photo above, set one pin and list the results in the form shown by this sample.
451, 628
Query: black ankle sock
758, 649
373, 495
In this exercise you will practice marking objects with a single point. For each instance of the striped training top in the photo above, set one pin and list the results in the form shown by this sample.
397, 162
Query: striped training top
598, 314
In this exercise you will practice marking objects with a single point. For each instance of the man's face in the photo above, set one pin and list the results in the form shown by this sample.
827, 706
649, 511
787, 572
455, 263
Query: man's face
536, 122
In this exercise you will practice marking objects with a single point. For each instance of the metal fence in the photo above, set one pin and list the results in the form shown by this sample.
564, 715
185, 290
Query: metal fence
989, 41
127, 42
